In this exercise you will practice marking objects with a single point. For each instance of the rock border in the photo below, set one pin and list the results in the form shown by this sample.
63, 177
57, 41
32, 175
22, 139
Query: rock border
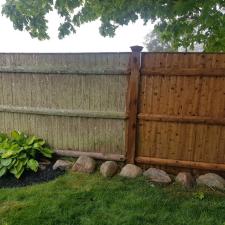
109, 169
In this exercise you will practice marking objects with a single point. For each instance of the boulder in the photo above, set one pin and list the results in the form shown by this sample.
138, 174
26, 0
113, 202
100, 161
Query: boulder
157, 176
131, 171
84, 164
211, 180
62, 165
44, 164
185, 179
108, 168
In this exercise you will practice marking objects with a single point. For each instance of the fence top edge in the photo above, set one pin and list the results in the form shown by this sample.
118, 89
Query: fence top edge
63, 53
111, 53
101, 53
185, 53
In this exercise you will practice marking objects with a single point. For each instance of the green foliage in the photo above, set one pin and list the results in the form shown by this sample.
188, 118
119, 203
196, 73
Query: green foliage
199, 195
19, 152
183, 23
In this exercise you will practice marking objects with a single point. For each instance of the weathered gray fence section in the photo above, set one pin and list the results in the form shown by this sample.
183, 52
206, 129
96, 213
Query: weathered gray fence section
75, 101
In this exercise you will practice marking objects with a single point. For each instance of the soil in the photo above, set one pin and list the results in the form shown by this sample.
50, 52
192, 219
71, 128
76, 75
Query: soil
30, 178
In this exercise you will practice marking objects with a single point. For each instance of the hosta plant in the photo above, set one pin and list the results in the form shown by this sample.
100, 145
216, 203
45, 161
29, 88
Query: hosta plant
19, 152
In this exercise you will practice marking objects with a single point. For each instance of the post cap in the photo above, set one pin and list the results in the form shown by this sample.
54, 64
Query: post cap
136, 48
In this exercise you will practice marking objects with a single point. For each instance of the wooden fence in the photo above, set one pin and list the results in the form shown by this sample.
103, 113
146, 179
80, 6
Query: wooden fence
75, 101
150, 108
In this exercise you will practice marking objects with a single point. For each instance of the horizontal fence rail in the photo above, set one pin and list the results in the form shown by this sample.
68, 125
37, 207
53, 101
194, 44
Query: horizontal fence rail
183, 119
63, 112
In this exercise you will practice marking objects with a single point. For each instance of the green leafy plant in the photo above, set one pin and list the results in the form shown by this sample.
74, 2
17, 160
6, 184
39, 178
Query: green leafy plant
19, 152
199, 195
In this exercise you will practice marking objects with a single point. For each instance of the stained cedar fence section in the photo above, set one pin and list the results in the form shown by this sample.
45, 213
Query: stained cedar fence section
181, 110
150, 108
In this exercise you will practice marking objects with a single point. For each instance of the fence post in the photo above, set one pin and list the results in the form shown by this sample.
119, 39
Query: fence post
132, 102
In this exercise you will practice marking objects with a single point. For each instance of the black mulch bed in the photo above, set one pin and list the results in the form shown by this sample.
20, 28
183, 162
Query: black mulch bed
29, 178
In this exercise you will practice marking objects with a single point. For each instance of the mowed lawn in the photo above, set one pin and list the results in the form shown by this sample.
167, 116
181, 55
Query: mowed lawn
80, 199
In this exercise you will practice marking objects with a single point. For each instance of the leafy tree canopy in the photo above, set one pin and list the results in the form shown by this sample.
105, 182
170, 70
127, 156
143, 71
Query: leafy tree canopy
181, 22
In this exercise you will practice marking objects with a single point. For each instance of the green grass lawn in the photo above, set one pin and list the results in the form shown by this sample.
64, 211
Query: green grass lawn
80, 199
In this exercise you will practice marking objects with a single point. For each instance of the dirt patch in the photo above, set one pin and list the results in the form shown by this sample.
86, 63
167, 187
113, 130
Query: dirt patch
30, 178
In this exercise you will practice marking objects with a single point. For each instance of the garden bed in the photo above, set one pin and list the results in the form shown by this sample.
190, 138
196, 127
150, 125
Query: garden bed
29, 177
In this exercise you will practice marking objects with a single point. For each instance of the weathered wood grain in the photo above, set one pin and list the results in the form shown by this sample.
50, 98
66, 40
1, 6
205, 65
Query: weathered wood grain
63, 112
95, 155
65, 63
53, 96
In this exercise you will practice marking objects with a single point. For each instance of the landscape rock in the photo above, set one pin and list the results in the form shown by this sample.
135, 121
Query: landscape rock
43, 164
131, 171
62, 165
108, 168
157, 175
211, 180
185, 179
84, 164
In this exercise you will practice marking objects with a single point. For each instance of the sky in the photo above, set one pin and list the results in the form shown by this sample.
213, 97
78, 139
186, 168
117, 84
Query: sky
86, 39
